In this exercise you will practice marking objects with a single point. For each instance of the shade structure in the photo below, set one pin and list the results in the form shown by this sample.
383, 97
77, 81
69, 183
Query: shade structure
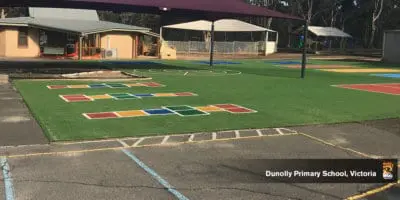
207, 7
325, 31
203, 9
223, 25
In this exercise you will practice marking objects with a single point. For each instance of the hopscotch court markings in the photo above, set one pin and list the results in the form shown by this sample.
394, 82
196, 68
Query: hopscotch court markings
120, 96
180, 110
106, 85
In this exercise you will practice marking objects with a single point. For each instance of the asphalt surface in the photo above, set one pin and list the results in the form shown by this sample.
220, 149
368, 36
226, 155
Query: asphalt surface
17, 126
210, 169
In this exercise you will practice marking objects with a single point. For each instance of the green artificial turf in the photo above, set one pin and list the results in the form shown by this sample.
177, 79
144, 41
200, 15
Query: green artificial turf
278, 95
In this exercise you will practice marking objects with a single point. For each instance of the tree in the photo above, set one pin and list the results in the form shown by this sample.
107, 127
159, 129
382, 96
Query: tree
377, 11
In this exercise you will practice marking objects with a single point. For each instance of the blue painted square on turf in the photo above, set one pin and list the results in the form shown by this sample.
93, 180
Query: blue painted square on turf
143, 95
387, 75
218, 62
97, 86
158, 112
284, 62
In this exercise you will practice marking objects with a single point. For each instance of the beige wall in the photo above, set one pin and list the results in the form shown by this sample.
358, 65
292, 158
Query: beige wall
123, 42
11, 45
2, 42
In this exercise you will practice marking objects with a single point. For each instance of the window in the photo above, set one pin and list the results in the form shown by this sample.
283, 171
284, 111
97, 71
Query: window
23, 37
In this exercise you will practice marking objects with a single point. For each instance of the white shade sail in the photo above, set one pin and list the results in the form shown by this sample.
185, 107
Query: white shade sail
223, 25
327, 31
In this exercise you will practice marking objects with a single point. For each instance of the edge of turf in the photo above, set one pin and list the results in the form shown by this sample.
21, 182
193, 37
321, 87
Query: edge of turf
42, 126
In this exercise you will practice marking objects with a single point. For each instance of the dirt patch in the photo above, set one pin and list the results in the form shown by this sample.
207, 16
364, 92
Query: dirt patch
318, 66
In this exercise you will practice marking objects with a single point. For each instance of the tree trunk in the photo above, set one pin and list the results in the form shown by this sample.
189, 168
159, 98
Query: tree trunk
269, 22
372, 36
3, 14
375, 16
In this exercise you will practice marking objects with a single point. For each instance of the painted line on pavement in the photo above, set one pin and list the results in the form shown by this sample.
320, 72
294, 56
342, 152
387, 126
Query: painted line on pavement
8, 183
342, 148
165, 139
373, 191
154, 174
237, 134
141, 146
124, 144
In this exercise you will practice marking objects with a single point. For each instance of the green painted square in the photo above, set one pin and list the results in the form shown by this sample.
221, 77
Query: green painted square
179, 108
191, 112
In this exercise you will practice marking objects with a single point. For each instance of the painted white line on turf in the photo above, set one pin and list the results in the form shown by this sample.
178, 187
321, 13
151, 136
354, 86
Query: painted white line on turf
154, 174
8, 183
165, 139
124, 144
138, 142
259, 132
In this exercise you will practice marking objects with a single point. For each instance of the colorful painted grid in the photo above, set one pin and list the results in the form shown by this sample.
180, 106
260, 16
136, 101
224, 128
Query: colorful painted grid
181, 110
364, 70
386, 88
121, 96
106, 85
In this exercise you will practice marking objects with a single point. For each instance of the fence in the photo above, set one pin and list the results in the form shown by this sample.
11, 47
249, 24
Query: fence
231, 48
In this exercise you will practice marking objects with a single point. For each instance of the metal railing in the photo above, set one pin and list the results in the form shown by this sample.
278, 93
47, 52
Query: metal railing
235, 47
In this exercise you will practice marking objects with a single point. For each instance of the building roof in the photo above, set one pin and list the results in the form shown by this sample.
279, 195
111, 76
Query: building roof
69, 25
223, 25
63, 13
209, 8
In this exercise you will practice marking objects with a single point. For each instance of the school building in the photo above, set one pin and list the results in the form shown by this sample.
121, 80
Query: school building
71, 33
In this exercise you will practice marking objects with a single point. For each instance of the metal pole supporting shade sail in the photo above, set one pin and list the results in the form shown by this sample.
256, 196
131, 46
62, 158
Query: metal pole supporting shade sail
212, 44
304, 59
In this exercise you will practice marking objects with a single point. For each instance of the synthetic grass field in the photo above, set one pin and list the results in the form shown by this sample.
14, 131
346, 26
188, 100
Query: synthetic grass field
278, 95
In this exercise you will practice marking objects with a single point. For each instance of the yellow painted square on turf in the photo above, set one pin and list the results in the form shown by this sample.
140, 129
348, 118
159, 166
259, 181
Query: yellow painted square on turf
209, 109
78, 86
131, 113
164, 95
102, 96
133, 84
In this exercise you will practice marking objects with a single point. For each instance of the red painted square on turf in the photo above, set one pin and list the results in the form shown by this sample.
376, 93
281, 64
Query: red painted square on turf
239, 110
57, 86
184, 94
226, 106
103, 115
393, 85
375, 88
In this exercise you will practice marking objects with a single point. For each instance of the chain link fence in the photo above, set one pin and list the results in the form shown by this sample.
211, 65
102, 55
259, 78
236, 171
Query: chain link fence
226, 48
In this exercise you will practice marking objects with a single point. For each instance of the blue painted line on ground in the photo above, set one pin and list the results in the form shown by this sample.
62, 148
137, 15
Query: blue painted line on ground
387, 75
8, 183
162, 181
